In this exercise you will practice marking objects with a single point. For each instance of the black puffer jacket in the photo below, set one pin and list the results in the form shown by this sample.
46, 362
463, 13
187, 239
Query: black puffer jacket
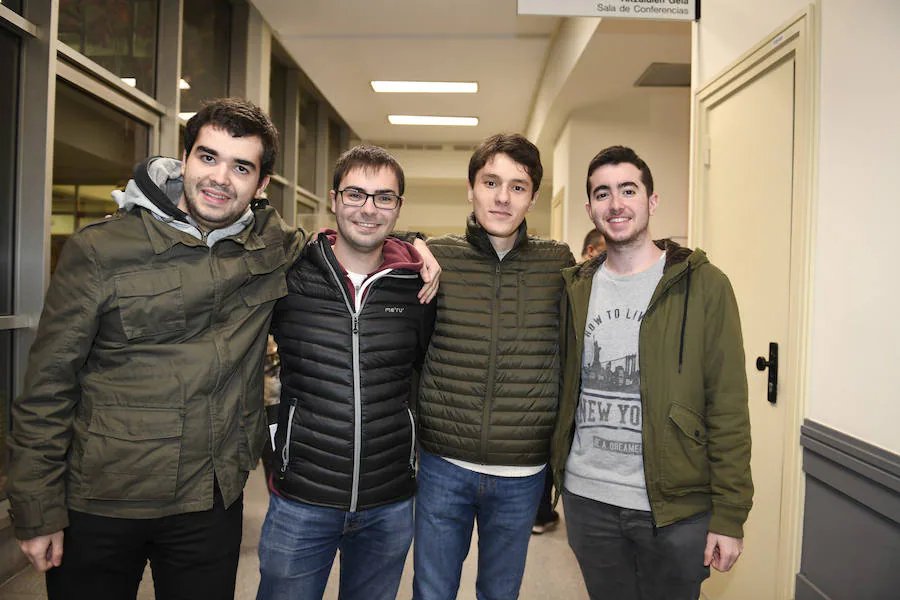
346, 433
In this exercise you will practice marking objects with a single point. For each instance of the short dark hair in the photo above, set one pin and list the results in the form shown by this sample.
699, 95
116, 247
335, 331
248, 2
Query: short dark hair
367, 157
592, 238
515, 146
239, 118
615, 155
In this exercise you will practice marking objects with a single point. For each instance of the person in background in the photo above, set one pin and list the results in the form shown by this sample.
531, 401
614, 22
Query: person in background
593, 244
652, 445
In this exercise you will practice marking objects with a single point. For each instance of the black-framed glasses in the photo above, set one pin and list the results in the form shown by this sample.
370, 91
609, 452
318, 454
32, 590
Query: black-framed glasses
357, 197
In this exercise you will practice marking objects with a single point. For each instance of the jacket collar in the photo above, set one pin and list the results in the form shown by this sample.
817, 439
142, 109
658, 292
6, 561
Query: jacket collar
478, 237
675, 255
163, 235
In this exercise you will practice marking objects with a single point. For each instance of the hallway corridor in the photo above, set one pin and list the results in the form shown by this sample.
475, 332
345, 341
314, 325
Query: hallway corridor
551, 572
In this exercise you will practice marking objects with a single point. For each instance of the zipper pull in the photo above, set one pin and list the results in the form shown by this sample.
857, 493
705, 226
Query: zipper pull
497, 294
355, 325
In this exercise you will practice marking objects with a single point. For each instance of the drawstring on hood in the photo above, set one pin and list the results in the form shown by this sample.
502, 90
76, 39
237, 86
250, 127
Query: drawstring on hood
687, 292
158, 186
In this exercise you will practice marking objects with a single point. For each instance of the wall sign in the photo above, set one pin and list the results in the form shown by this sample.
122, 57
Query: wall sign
671, 10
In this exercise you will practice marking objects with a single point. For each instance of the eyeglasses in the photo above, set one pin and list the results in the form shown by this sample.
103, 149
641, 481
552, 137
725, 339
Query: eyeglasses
356, 197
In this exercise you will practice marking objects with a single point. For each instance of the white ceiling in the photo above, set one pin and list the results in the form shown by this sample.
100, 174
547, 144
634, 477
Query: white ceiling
344, 44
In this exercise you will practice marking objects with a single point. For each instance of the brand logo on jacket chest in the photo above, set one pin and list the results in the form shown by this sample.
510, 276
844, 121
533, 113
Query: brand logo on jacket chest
394, 309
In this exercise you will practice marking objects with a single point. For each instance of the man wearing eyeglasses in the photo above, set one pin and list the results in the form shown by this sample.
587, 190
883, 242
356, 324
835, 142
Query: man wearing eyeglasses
351, 333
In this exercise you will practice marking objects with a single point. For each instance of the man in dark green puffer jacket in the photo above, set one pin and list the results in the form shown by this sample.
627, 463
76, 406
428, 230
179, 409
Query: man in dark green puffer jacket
652, 447
489, 387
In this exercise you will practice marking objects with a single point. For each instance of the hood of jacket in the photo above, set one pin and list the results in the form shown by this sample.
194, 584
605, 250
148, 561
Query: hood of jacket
396, 254
680, 262
157, 185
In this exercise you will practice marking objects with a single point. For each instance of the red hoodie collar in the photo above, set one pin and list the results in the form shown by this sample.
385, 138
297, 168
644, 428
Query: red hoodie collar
396, 254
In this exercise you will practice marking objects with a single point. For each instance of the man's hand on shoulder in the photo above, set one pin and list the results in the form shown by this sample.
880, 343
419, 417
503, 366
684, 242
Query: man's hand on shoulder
431, 272
44, 551
722, 551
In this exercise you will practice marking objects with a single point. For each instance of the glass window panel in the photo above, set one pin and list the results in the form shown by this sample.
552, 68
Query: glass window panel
334, 142
95, 148
6, 390
277, 106
9, 63
118, 35
275, 193
306, 142
13, 5
205, 52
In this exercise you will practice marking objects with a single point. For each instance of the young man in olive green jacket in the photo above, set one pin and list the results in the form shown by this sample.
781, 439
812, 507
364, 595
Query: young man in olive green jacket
142, 412
652, 445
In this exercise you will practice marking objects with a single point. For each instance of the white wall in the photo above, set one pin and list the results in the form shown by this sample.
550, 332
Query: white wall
856, 330
656, 124
728, 28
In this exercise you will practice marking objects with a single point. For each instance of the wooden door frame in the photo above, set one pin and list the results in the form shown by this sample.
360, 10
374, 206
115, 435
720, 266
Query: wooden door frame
797, 39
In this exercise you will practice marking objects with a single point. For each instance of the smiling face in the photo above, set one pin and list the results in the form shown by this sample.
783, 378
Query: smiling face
618, 205
221, 177
363, 229
501, 196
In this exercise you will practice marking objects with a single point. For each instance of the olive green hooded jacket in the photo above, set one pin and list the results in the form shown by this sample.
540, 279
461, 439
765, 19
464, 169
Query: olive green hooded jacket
696, 424
145, 380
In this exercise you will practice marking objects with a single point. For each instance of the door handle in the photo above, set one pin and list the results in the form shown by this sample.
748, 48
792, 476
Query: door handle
772, 364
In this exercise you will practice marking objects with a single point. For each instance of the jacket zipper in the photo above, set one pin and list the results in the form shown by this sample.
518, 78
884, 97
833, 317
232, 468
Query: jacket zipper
644, 396
286, 451
489, 392
357, 387
412, 445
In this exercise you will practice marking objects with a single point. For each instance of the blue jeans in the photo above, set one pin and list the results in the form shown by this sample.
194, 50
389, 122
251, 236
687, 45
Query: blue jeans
448, 502
299, 541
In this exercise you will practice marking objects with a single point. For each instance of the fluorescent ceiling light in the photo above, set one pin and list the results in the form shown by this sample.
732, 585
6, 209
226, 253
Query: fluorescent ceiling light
132, 81
183, 85
423, 120
425, 87
186, 115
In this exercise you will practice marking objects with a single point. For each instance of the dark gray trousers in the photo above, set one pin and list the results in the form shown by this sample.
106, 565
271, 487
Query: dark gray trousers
622, 557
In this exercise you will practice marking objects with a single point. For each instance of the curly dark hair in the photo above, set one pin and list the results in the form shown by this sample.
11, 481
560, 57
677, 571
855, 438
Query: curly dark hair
239, 118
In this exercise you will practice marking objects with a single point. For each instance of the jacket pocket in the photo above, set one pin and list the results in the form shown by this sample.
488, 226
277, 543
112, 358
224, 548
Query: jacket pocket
151, 302
267, 276
685, 463
132, 453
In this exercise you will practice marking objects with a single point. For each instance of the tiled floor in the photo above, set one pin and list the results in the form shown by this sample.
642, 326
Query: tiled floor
551, 572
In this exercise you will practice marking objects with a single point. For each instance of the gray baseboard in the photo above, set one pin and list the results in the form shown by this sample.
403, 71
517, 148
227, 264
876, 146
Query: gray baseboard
851, 524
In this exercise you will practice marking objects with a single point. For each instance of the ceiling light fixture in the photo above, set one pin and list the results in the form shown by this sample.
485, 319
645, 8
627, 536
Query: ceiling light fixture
183, 85
425, 87
424, 120
186, 116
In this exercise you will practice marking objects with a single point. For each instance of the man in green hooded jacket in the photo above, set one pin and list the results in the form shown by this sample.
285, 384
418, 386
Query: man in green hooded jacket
651, 448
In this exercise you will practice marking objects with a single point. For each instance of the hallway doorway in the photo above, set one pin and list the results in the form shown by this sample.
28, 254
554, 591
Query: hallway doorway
750, 214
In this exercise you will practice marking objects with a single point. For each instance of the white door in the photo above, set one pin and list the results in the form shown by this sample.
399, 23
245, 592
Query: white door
746, 230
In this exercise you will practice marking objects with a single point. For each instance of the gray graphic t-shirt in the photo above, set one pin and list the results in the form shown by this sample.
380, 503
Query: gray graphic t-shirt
606, 462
